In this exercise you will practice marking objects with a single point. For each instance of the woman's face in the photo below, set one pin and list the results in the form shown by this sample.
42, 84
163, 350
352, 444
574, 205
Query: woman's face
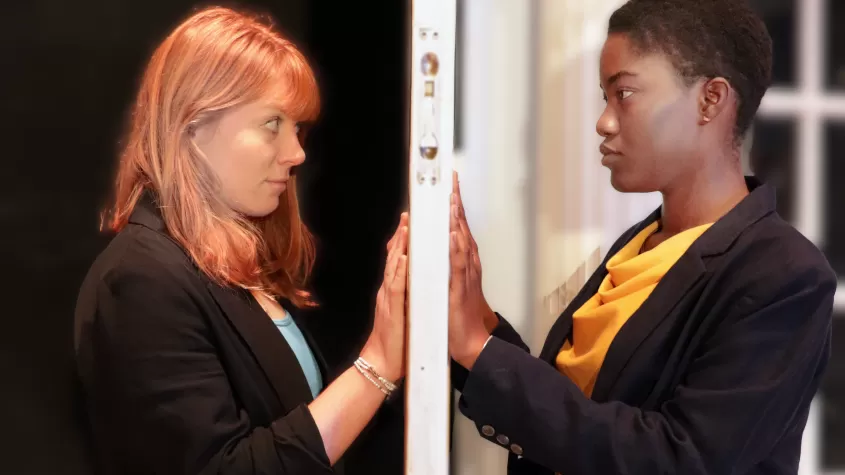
252, 149
650, 124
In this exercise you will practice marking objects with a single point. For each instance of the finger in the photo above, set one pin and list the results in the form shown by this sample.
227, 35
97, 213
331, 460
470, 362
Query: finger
466, 252
404, 238
457, 258
400, 281
390, 266
396, 295
463, 226
380, 300
454, 221
462, 217
399, 250
456, 189
397, 298
454, 181
403, 221
466, 235
457, 276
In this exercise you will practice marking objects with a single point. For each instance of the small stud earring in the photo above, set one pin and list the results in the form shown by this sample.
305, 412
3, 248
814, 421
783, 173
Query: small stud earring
705, 118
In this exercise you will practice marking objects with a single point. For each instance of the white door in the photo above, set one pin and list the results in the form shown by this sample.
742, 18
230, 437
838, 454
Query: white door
430, 184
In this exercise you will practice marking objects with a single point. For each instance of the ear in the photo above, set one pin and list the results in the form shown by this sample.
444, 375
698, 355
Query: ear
714, 99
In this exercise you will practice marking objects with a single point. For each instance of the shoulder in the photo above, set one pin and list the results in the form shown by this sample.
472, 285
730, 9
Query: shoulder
773, 246
771, 261
139, 267
139, 253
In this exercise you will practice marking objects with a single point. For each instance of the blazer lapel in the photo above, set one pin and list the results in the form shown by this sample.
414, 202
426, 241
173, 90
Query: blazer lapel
657, 307
562, 328
675, 285
268, 346
563, 325
270, 349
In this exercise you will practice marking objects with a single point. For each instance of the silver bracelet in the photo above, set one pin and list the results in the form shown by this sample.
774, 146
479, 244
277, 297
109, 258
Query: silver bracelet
366, 374
367, 370
362, 364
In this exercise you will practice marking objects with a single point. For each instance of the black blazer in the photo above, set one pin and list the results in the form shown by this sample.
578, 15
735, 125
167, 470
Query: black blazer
713, 374
183, 376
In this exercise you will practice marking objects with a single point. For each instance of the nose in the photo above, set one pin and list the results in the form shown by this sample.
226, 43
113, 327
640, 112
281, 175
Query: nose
298, 156
608, 124
292, 155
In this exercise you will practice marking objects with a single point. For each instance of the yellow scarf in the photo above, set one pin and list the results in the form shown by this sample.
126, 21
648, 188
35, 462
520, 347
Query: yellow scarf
630, 280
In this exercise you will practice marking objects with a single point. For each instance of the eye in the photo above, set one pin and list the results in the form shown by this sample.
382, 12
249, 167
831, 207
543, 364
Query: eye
273, 124
623, 94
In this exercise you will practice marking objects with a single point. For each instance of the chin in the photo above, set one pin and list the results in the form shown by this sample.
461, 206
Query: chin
262, 210
630, 183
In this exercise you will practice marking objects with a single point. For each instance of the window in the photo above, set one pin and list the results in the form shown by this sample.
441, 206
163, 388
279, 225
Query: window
833, 401
799, 130
773, 160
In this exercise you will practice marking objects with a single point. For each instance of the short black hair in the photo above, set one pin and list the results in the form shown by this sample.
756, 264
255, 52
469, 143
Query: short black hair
705, 39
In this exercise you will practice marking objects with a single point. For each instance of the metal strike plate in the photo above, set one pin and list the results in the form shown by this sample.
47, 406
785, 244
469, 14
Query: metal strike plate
428, 110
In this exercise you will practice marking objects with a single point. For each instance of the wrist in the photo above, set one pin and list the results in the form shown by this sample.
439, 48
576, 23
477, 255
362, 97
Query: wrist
379, 363
468, 353
491, 320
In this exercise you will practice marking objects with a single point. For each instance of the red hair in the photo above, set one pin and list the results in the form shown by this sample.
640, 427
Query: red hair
216, 60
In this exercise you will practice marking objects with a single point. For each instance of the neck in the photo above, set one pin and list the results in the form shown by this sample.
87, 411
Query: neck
703, 197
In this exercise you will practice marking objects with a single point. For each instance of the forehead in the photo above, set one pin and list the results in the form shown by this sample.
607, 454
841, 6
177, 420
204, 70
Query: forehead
274, 100
619, 58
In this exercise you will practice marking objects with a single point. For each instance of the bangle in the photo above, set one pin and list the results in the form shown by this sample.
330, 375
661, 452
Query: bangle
367, 370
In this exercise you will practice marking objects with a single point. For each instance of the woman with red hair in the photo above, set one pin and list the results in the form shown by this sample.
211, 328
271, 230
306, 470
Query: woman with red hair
186, 337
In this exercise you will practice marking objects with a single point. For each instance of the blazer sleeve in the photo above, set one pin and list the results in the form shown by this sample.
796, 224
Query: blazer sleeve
739, 394
158, 376
503, 331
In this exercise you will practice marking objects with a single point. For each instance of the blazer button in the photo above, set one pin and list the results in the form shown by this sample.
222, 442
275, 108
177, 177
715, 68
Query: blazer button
489, 431
503, 439
517, 450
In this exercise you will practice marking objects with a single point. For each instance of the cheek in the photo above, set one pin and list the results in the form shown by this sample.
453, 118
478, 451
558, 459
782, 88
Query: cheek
670, 131
243, 169
248, 161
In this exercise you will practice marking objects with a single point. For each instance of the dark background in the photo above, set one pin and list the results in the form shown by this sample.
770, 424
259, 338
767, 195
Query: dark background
68, 71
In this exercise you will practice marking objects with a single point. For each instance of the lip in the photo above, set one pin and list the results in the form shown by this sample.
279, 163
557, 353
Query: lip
608, 160
609, 155
605, 150
279, 184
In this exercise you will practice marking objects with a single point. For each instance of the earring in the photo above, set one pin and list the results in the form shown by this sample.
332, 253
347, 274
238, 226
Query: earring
705, 118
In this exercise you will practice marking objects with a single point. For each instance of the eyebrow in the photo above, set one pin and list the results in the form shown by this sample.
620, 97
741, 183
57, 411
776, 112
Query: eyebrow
612, 79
